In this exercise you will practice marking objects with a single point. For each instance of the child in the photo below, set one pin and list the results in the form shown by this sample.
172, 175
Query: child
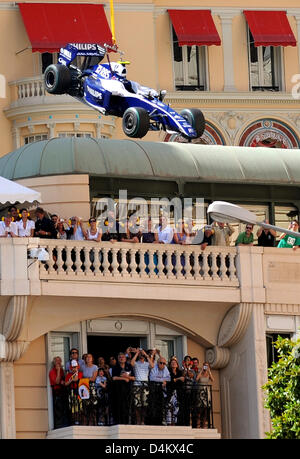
101, 386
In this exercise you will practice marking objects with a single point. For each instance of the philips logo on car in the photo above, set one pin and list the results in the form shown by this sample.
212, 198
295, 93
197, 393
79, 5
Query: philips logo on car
94, 93
85, 46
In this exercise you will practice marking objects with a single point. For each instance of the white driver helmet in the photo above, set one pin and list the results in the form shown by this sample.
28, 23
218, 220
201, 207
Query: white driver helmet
118, 69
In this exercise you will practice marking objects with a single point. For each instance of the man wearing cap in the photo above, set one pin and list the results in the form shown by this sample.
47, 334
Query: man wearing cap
71, 382
207, 237
44, 227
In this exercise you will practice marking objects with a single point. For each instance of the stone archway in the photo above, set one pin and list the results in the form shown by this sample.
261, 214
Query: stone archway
211, 136
269, 132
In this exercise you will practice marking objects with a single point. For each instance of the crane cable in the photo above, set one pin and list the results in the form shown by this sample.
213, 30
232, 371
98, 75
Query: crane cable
112, 22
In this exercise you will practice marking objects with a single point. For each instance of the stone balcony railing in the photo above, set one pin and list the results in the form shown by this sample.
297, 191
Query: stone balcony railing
128, 262
31, 91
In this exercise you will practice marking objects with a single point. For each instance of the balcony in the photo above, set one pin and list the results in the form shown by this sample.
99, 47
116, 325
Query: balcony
30, 91
186, 412
142, 263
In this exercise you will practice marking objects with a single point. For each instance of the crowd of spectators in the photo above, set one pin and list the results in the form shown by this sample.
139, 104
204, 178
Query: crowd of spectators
134, 387
18, 223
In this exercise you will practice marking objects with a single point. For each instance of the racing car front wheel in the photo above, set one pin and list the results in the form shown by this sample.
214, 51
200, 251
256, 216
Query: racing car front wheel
57, 79
136, 122
195, 118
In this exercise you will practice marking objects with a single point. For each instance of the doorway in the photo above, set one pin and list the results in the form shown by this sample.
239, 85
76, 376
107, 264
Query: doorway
107, 346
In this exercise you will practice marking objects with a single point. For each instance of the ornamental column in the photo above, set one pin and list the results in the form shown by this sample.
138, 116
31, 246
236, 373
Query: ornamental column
13, 315
226, 17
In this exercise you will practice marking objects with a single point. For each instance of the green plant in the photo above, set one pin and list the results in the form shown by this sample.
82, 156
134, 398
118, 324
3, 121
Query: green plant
283, 391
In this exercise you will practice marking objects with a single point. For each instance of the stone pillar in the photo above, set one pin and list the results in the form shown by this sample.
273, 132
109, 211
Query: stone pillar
13, 316
296, 14
226, 17
7, 401
242, 397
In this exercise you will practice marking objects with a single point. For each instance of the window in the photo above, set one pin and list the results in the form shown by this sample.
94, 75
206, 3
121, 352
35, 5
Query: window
272, 354
35, 138
265, 66
48, 59
189, 66
51, 58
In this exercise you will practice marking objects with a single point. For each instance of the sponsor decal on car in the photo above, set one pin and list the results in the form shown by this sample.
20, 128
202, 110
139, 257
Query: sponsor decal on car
85, 46
66, 53
94, 92
103, 72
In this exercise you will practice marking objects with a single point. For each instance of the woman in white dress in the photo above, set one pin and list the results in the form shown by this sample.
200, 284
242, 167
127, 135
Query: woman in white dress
25, 226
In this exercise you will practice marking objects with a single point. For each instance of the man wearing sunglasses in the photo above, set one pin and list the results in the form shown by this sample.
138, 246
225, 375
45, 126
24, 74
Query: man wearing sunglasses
74, 355
246, 237
159, 376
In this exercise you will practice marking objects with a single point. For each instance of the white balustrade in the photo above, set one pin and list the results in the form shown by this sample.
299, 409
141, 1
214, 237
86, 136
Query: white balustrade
30, 87
125, 262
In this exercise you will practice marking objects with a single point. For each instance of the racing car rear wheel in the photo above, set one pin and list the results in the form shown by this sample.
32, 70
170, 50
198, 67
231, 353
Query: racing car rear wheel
195, 117
136, 122
57, 79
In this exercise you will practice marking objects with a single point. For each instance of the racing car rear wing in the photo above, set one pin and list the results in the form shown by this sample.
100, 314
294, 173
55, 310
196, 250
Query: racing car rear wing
71, 50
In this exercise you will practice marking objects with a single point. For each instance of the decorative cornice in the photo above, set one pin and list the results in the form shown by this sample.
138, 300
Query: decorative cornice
217, 357
230, 98
15, 350
279, 308
234, 324
14, 317
13, 322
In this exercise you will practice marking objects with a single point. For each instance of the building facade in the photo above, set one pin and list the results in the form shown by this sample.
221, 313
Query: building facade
228, 309
228, 316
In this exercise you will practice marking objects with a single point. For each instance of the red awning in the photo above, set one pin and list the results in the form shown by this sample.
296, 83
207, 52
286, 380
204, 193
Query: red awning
52, 25
194, 27
270, 28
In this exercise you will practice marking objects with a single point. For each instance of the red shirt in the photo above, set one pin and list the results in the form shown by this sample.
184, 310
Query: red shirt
52, 378
74, 384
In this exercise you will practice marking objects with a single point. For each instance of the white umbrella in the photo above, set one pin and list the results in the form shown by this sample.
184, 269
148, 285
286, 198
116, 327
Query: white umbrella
12, 192
226, 212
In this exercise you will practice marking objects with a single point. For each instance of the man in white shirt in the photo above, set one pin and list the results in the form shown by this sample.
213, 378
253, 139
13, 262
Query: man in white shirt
8, 228
160, 372
76, 224
165, 232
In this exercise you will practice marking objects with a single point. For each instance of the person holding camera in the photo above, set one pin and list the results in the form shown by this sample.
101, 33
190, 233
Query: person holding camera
122, 375
8, 228
204, 378
141, 363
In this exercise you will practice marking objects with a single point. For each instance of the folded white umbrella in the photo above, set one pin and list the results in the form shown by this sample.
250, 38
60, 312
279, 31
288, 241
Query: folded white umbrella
12, 192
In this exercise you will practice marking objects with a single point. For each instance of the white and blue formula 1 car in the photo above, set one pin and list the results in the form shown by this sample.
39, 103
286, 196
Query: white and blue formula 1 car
104, 87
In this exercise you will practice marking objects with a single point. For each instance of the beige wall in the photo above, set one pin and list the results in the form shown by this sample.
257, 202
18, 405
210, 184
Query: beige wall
65, 195
31, 392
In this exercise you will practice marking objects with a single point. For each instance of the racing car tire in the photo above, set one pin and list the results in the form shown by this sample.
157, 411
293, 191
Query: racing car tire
57, 79
136, 122
195, 117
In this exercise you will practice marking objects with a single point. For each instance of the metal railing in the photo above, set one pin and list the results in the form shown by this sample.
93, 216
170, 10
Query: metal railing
145, 262
149, 403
